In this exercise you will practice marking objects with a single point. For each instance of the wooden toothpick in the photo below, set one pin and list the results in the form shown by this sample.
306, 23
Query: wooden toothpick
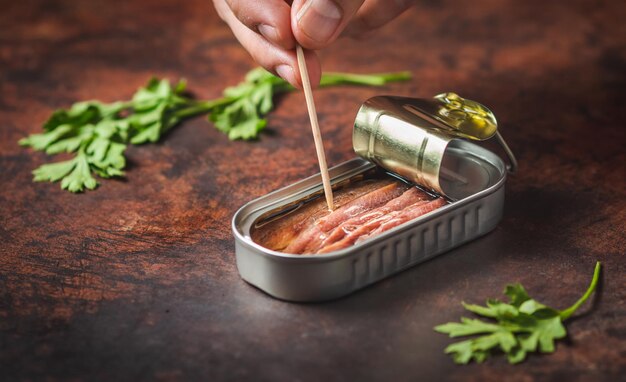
317, 136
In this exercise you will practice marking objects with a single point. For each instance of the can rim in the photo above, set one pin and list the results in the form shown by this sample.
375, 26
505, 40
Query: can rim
246, 241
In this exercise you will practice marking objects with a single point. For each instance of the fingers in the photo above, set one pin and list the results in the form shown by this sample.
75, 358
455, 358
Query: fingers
269, 29
270, 18
280, 61
375, 14
317, 23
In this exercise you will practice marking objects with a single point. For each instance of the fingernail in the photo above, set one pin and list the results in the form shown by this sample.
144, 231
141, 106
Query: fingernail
286, 73
319, 19
268, 32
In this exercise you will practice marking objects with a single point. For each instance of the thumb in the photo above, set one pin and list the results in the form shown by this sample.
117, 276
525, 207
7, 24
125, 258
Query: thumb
317, 23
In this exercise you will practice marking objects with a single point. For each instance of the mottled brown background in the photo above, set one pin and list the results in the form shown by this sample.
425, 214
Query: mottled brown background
137, 280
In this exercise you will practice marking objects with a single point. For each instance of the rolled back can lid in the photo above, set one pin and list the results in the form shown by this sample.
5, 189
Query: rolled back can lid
409, 136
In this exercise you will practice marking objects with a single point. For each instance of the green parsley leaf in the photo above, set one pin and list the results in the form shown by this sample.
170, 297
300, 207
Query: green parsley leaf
99, 132
243, 116
54, 171
516, 328
80, 177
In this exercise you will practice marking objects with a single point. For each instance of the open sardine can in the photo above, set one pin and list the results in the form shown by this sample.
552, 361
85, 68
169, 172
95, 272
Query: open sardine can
423, 141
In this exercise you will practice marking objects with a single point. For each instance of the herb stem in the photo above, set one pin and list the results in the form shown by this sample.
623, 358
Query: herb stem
339, 78
565, 314
202, 107
332, 78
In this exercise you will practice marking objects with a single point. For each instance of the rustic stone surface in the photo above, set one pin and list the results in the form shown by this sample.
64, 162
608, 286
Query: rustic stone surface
137, 280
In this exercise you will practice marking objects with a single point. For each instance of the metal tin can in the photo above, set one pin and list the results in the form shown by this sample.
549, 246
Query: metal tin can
474, 183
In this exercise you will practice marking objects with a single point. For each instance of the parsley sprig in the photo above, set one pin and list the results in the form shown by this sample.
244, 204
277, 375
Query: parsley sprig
98, 133
521, 326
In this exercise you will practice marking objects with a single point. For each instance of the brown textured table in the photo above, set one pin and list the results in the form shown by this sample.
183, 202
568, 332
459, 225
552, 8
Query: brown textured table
137, 280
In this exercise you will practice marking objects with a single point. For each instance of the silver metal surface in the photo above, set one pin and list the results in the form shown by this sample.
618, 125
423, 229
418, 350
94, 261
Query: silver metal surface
410, 136
479, 194
396, 135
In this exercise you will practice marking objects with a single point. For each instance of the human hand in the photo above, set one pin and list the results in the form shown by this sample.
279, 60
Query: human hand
270, 29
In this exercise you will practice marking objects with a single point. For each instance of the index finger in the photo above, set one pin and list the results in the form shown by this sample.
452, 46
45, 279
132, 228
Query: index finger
270, 18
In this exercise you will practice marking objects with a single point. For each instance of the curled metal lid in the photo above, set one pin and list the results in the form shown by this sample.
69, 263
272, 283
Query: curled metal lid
409, 136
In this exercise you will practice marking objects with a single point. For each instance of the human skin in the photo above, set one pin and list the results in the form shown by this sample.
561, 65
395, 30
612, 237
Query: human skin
270, 29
